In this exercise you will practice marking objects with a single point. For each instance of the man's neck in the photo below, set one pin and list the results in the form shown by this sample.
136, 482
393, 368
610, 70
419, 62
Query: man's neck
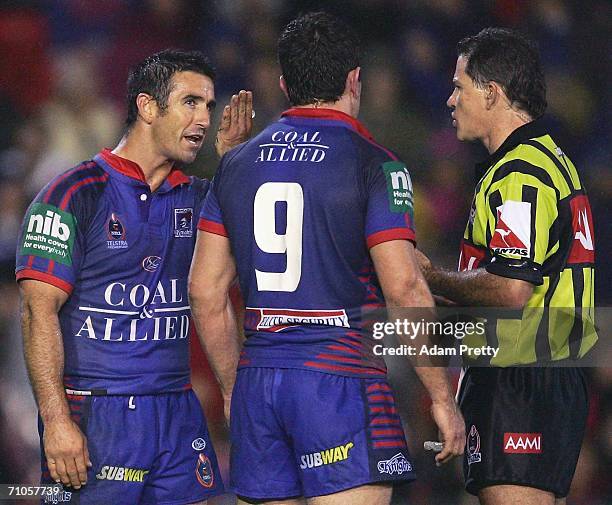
138, 149
502, 129
342, 105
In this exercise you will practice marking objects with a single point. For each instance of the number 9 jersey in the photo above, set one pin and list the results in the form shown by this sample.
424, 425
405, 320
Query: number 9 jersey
302, 203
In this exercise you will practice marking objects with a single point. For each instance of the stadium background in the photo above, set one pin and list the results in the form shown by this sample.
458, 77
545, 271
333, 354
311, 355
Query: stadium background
63, 65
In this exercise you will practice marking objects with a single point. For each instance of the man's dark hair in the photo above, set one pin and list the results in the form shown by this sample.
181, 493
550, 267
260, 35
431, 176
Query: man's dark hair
316, 52
154, 77
510, 59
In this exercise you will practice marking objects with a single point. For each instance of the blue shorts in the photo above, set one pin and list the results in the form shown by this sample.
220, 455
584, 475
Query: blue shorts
305, 433
151, 449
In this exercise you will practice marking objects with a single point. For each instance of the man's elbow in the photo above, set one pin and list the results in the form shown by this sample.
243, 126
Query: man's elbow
517, 293
412, 291
197, 294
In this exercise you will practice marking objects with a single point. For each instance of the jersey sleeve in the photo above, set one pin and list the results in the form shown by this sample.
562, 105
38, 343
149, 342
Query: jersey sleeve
211, 218
521, 215
51, 241
389, 214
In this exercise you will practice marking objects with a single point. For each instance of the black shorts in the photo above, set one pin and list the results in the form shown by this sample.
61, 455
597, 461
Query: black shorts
524, 426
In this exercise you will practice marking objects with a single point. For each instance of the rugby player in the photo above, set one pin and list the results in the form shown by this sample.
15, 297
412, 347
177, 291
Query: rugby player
316, 220
528, 244
102, 265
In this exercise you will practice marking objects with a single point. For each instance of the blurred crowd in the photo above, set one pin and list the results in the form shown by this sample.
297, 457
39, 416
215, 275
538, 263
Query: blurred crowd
63, 66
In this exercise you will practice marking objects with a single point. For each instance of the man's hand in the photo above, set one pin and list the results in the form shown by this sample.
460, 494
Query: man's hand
67, 453
451, 428
236, 123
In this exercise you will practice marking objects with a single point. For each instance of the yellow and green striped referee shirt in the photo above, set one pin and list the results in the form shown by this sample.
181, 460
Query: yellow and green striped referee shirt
531, 220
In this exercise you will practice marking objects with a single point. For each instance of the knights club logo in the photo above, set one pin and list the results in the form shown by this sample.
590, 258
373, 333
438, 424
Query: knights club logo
473, 446
183, 222
204, 471
512, 233
115, 232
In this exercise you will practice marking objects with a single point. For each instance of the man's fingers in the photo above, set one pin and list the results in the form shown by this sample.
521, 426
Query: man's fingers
86, 457
249, 109
81, 466
242, 102
73, 473
234, 110
62, 474
225, 118
53, 470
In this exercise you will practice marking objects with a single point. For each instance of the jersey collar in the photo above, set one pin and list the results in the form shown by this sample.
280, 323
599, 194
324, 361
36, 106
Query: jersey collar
528, 131
133, 171
329, 114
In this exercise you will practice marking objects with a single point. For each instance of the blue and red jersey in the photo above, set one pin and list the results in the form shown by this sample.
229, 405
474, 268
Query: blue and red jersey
302, 203
122, 253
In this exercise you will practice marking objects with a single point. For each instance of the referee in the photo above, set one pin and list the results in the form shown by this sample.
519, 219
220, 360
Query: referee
529, 245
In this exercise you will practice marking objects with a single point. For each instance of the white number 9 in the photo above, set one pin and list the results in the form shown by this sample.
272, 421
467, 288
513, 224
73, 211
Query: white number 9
270, 242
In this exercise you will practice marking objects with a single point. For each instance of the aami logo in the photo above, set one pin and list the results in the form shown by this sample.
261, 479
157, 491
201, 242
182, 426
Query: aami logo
50, 224
523, 443
582, 248
512, 233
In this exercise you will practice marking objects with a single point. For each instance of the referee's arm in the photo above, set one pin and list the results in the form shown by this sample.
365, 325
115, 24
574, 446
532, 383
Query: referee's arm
476, 287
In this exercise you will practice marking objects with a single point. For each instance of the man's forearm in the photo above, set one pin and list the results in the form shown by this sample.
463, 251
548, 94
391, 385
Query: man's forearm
220, 339
470, 288
44, 357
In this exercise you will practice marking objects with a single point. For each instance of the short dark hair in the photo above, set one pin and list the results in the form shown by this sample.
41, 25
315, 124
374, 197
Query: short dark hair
510, 59
316, 52
154, 77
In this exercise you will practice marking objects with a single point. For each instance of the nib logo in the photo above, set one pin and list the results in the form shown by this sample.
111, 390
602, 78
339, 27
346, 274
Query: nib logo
513, 229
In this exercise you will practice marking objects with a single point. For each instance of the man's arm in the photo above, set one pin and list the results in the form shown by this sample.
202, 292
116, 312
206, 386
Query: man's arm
212, 274
64, 444
404, 286
475, 287
236, 122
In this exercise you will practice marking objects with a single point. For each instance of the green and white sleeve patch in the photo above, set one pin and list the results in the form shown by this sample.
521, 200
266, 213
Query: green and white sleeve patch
399, 187
49, 233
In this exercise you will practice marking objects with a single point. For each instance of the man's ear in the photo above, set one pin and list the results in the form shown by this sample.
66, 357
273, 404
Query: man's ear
353, 83
283, 85
147, 107
493, 93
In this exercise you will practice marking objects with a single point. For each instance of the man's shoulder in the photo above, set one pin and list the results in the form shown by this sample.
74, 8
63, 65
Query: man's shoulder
82, 179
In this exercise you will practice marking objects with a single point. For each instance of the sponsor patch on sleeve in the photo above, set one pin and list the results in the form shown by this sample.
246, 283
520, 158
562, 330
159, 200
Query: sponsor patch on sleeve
399, 186
512, 234
49, 233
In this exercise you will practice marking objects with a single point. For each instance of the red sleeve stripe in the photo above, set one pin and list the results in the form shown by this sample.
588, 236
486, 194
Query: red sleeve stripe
75, 187
44, 277
212, 227
64, 176
391, 234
